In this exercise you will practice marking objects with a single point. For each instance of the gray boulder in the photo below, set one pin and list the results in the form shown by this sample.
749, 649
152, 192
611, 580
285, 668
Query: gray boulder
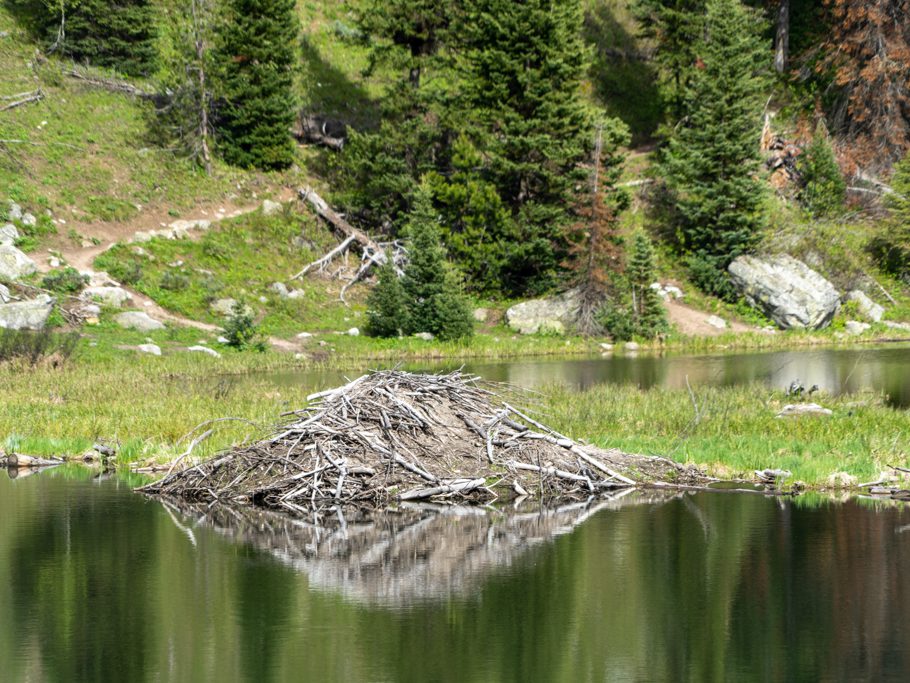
225, 307
870, 310
8, 234
137, 320
786, 290
152, 349
855, 327
15, 212
204, 349
536, 315
14, 264
115, 297
4, 295
270, 208
26, 315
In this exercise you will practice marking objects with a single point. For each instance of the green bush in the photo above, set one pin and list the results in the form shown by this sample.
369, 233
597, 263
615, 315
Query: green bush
891, 249
387, 313
241, 331
65, 281
823, 189
127, 271
616, 320
173, 281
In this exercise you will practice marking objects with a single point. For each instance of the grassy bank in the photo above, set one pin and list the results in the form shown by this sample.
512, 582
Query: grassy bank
147, 405
734, 430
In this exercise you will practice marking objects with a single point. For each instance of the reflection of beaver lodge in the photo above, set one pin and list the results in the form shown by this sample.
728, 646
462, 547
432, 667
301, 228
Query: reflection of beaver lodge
416, 552
396, 436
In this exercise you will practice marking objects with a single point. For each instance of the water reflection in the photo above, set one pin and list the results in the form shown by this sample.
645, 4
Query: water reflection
398, 557
836, 371
97, 583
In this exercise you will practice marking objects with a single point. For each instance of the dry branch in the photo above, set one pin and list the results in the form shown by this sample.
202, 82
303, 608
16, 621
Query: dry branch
24, 98
110, 84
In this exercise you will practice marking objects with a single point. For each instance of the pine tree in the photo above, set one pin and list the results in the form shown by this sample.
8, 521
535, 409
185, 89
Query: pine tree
823, 188
675, 26
522, 65
256, 54
434, 298
892, 247
387, 314
648, 315
711, 164
120, 35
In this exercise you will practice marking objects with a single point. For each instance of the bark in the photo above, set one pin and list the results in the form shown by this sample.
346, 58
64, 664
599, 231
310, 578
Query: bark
782, 37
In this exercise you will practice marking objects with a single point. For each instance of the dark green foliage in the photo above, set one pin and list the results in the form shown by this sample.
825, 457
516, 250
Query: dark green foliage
675, 26
31, 347
479, 232
173, 281
255, 53
616, 320
711, 165
648, 316
432, 297
823, 188
65, 281
892, 248
387, 313
120, 35
522, 65
125, 271
240, 329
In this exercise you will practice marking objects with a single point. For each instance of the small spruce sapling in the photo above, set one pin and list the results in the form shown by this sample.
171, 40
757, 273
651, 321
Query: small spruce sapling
823, 188
387, 314
648, 315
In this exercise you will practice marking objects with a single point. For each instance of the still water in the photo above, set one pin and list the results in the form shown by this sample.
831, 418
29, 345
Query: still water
835, 371
100, 584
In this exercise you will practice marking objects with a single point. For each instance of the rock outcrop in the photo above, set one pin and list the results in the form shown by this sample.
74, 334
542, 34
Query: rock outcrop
14, 264
786, 290
870, 310
26, 315
552, 315
138, 320
115, 297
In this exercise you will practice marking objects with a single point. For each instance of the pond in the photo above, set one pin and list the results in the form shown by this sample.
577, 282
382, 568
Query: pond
98, 583
883, 369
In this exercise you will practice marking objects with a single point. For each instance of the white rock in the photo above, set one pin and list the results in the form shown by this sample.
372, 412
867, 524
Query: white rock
116, 297
4, 294
841, 480
14, 264
270, 208
528, 316
716, 321
606, 346
138, 320
304, 335
153, 349
53, 262
263, 299
15, 211
222, 340
29, 220
798, 409
631, 346
855, 327
225, 307
90, 310
354, 332
481, 314
184, 226
26, 315
204, 349
280, 289
890, 324
99, 279
143, 236
426, 336
8, 234
871, 310
297, 294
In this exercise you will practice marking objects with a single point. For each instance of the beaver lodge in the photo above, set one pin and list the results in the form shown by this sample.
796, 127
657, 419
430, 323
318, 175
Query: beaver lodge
393, 436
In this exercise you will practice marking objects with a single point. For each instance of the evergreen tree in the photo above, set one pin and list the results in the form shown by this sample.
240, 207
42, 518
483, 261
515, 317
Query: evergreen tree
823, 188
675, 26
434, 298
711, 164
120, 35
522, 66
892, 247
387, 314
256, 54
648, 315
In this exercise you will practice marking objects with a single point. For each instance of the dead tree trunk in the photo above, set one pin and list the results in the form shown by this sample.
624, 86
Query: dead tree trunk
782, 37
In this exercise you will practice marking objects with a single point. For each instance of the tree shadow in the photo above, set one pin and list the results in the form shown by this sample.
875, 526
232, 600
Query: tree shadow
622, 74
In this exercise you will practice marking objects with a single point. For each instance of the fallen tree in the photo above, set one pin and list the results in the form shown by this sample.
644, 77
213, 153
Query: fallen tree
372, 253
394, 436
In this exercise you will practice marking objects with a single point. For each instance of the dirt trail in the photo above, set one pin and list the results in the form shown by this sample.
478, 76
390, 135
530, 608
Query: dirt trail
693, 322
82, 255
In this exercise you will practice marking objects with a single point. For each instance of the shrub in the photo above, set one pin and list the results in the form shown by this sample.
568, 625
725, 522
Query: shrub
241, 331
892, 247
173, 281
65, 281
387, 305
616, 320
823, 188
31, 347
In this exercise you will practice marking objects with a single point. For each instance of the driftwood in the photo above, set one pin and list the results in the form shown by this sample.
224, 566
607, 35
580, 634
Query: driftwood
372, 253
18, 460
394, 436
22, 98
111, 85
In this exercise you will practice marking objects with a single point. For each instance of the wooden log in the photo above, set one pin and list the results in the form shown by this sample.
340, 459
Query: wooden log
462, 486
19, 460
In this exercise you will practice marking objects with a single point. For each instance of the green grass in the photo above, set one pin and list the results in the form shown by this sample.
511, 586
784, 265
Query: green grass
737, 430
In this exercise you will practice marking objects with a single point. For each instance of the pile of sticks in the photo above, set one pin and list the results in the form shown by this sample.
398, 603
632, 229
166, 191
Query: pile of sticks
394, 436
